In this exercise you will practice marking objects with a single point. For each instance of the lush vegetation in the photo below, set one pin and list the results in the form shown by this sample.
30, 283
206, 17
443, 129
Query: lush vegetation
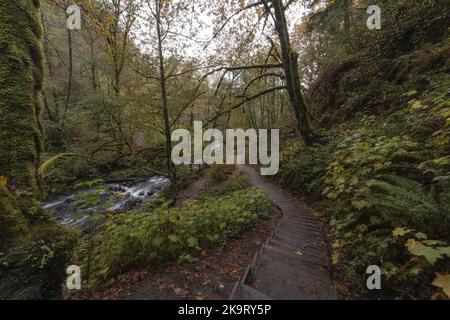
364, 118
381, 175
177, 234
380, 193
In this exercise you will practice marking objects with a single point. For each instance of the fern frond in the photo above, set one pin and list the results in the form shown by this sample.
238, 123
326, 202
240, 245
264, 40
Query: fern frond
402, 182
411, 199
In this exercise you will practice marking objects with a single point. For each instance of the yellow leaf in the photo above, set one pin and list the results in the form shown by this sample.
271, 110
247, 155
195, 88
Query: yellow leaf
379, 166
335, 257
3, 181
400, 232
417, 105
443, 281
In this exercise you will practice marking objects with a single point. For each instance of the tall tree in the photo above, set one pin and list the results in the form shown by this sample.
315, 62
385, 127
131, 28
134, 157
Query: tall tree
26, 231
163, 28
20, 127
291, 70
287, 60
114, 20
157, 14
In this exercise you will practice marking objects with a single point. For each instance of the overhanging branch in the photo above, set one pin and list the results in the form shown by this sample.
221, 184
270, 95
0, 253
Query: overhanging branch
246, 99
252, 5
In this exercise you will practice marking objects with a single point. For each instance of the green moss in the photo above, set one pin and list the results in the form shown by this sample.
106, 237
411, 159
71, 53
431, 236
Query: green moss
12, 222
21, 76
34, 247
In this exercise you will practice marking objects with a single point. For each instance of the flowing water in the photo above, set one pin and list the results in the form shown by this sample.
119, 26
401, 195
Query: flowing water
77, 208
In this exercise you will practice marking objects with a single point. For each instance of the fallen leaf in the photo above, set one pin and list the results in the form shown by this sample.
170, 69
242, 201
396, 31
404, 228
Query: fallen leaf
335, 257
341, 288
3, 181
443, 281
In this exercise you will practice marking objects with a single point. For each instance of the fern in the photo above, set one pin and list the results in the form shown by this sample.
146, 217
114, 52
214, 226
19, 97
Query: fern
403, 182
404, 199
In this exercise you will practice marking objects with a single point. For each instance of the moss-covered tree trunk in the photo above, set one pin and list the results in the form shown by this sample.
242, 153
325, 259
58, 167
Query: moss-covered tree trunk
291, 70
21, 73
33, 247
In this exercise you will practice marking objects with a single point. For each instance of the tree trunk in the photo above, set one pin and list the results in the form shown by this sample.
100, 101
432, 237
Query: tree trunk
25, 229
93, 68
165, 103
290, 67
346, 4
69, 86
21, 79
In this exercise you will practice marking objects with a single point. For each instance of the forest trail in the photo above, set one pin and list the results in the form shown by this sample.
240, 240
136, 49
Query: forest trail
293, 264
192, 191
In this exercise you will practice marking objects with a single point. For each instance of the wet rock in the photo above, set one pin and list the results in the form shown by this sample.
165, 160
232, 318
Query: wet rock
74, 210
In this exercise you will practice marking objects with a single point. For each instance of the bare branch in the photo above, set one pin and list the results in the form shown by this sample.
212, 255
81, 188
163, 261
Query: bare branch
273, 74
252, 5
286, 6
255, 66
247, 99
193, 98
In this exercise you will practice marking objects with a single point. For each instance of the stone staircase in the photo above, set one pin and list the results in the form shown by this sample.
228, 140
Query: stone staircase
293, 264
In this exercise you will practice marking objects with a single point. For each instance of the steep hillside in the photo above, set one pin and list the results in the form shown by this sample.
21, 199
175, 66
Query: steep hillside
382, 175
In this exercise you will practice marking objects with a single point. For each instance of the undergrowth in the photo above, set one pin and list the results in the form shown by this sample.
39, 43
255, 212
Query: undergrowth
177, 234
383, 181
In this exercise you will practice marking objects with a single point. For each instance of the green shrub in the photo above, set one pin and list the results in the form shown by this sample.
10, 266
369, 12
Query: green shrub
219, 173
174, 233
238, 183
375, 175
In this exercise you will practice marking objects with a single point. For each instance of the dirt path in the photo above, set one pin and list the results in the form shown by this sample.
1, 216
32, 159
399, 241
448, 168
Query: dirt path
293, 264
192, 191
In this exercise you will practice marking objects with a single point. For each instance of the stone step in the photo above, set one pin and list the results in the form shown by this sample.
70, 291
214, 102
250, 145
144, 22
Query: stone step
293, 263
295, 268
293, 226
298, 240
300, 227
304, 218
